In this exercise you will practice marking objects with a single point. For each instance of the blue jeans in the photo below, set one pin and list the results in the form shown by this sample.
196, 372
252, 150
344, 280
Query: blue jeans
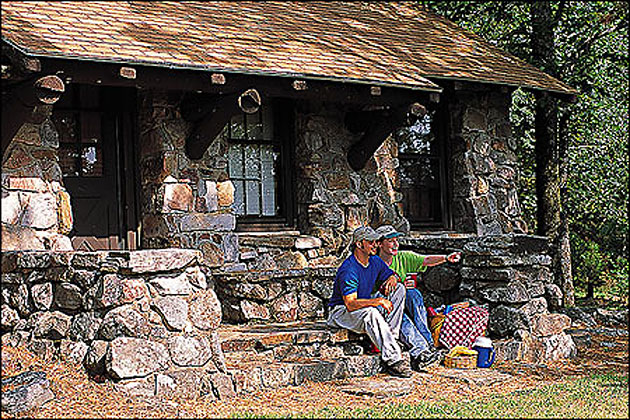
414, 330
414, 308
411, 337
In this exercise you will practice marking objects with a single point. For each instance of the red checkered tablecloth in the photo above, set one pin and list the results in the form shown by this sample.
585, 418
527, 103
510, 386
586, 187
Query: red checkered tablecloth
462, 326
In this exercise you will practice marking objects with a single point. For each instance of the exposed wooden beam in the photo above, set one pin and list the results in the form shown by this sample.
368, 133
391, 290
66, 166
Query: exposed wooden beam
215, 115
19, 101
377, 125
23, 64
150, 77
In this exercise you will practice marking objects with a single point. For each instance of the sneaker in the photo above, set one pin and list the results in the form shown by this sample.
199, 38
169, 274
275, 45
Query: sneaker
399, 368
425, 360
442, 352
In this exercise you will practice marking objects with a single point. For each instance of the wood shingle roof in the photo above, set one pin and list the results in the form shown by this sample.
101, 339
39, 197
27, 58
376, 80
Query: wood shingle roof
391, 44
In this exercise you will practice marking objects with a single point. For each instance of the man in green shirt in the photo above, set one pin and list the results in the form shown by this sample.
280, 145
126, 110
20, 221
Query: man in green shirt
403, 263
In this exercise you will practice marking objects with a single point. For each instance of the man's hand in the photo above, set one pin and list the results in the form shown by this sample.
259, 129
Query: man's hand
388, 286
411, 280
454, 257
386, 304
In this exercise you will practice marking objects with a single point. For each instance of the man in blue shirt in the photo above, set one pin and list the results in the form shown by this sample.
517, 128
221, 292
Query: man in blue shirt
353, 307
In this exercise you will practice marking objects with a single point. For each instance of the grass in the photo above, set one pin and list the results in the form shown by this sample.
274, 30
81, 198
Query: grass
596, 396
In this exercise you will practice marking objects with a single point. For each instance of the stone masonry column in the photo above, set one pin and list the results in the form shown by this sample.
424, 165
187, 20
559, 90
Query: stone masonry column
185, 203
36, 212
333, 199
483, 162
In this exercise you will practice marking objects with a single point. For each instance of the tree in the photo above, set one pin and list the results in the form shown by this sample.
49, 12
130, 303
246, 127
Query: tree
581, 180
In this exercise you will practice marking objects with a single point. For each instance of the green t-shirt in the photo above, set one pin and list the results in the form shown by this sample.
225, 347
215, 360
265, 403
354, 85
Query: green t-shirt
406, 262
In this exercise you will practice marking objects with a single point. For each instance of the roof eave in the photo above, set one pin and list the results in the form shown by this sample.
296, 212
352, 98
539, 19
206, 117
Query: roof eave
568, 94
244, 71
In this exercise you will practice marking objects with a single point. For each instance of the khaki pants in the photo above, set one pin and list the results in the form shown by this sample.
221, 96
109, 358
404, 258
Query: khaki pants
381, 327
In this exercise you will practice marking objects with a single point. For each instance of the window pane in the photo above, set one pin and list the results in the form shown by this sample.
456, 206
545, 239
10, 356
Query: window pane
239, 197
252, 197
66, 125
235, 161
268, 181
237, 127
68, 159
91, 161
267, 119
418, 138
252, 161
254, 126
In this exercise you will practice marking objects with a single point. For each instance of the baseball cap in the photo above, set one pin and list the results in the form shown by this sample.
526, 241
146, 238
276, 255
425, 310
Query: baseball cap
387, 232
364, 233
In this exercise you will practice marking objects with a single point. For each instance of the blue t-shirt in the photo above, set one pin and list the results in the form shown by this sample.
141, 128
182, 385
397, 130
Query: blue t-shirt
353, 277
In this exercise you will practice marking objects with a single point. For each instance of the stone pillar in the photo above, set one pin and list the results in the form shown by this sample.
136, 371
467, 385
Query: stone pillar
185, 203
483, 162
36, 211
333, 199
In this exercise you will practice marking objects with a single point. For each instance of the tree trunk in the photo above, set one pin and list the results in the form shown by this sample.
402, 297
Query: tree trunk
548, 152
564, 249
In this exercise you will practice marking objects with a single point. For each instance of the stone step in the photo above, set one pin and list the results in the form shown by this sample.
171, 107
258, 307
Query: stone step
253, 376
261, 337
281, 354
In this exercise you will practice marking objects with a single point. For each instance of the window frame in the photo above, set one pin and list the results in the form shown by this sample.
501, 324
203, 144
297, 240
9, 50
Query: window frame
439, 125
283, 137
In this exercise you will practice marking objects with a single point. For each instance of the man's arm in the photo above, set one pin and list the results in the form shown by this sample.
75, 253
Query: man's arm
389, 284
433, 260
352, 303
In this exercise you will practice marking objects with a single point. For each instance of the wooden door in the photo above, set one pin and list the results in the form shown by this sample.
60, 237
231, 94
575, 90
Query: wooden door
96, 148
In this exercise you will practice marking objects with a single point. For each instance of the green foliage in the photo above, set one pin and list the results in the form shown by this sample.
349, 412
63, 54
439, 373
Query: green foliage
591, 55
597, 396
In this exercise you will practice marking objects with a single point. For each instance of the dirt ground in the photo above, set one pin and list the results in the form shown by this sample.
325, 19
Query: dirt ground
79, 397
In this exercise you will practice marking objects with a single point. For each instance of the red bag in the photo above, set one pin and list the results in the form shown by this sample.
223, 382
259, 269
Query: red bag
462, 326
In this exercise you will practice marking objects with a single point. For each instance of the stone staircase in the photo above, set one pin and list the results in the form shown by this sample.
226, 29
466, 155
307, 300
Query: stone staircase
280, 354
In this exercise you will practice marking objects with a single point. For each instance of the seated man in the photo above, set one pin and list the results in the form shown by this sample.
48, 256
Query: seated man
402, 263
353, 307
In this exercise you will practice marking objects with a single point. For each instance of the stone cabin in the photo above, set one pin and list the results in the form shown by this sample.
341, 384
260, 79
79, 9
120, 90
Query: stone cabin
212, 158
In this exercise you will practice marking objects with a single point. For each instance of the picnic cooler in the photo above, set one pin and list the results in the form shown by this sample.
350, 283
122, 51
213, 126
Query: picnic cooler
460, 327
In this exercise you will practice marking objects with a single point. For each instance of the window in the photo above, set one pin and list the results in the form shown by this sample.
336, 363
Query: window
422, 172
78, 122
258, 162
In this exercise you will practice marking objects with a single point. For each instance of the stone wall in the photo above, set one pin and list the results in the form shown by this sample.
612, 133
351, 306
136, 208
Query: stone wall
146, 319
280, 279
36, 212
332, 198
483, 164
510, 275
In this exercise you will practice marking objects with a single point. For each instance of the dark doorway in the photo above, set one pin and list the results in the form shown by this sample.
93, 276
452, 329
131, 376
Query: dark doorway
96, 155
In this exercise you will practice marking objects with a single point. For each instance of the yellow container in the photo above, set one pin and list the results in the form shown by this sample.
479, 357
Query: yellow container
461, 357
460, 362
